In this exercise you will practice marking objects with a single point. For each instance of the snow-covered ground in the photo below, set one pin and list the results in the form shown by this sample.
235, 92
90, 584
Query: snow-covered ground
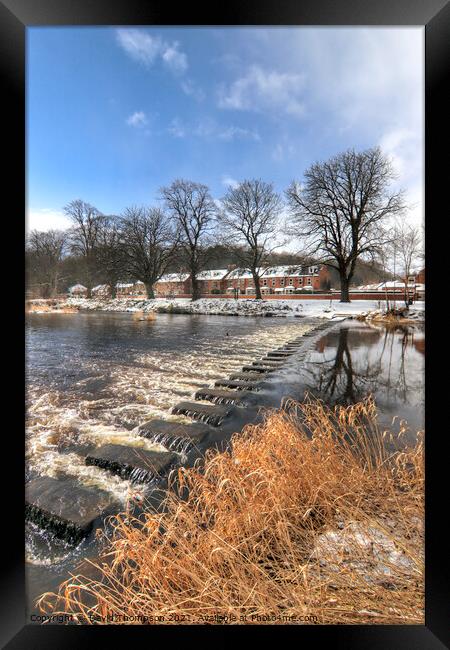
242, 307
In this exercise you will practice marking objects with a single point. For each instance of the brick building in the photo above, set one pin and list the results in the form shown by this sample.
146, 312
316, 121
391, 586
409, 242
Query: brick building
124, 289
213, 281
172, 284
78, 291
101, 291
280, 280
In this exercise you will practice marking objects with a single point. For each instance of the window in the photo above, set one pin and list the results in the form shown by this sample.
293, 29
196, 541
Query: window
291, 281
282, 282
309, 281
265, 282
273, 283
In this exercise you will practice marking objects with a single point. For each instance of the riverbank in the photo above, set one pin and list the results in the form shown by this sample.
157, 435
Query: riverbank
327, 309
309, 519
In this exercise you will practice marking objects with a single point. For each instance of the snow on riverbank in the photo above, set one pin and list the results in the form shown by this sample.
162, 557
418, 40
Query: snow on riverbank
242, 307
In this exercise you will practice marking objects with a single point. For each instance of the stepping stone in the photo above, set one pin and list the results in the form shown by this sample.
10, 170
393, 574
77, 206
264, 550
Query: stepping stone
273, 363
174, 435
278, 353
213, 415
221, 396
65, 507
238, 385
247, 376
133, 463
255, 368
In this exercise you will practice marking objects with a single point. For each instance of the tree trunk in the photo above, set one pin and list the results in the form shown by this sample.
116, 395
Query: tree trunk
149, 290
345, 296
89, 291
257, 287
113, 289
195, 288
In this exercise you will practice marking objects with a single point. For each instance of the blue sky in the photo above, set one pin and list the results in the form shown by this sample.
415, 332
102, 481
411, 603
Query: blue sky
115, 113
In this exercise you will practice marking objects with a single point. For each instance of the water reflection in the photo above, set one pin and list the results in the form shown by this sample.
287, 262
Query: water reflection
357, 360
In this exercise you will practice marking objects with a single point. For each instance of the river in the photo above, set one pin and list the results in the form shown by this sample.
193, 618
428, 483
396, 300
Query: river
93, 377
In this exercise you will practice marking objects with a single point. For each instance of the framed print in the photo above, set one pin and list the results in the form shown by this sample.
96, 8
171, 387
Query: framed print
227, 219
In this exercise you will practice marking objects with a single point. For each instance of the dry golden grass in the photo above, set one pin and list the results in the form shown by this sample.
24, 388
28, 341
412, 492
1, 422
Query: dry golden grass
50, 306
309, 516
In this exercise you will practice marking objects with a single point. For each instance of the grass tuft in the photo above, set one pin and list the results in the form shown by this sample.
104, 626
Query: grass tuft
316, 516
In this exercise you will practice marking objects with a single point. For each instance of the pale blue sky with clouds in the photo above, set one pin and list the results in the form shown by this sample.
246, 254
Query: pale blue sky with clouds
115, 113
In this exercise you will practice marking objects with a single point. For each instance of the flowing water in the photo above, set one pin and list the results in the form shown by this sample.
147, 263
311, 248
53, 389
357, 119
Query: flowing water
92, 378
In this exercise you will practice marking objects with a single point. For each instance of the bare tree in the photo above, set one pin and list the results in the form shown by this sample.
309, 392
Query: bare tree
193, 211
46, 250
341, 209
407, 249
249, 219
149, 242
84, 236
109, 252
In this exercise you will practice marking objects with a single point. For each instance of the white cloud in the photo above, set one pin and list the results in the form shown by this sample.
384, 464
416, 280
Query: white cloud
46, 219
176, 128
139, 45
228, 181
403, 147
282, 151
176, 60
208, 128
232, 132
351, 85
190, 88
145, 49
261, 90
137, 119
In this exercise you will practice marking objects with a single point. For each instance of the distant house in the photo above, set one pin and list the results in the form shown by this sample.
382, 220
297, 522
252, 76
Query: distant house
101, 291
172, 284
280, 280
124, 289
416, 291
139, 288
78, 290
212, 281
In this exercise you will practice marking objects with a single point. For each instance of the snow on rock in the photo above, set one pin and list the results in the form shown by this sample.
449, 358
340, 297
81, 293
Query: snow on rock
367, 550
241, 307
326, 309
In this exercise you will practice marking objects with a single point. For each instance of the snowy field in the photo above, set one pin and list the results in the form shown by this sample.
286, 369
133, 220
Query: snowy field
244, 307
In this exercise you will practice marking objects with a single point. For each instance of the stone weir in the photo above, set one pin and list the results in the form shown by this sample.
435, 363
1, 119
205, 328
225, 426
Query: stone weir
67, 509
71, 510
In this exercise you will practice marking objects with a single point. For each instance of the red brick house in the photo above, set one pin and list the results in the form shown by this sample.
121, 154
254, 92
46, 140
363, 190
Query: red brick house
78, 291
280, 280
124, 289
213, 281
172, 284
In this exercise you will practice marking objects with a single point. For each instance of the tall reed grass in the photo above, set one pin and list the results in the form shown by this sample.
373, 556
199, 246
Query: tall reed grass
315, 516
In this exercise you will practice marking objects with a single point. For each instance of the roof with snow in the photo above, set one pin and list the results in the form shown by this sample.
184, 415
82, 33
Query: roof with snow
382, 286
78, 287
277, 271
213, 274
174, 277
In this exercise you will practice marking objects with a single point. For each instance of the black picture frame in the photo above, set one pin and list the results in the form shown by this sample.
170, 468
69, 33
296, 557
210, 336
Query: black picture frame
434, 15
